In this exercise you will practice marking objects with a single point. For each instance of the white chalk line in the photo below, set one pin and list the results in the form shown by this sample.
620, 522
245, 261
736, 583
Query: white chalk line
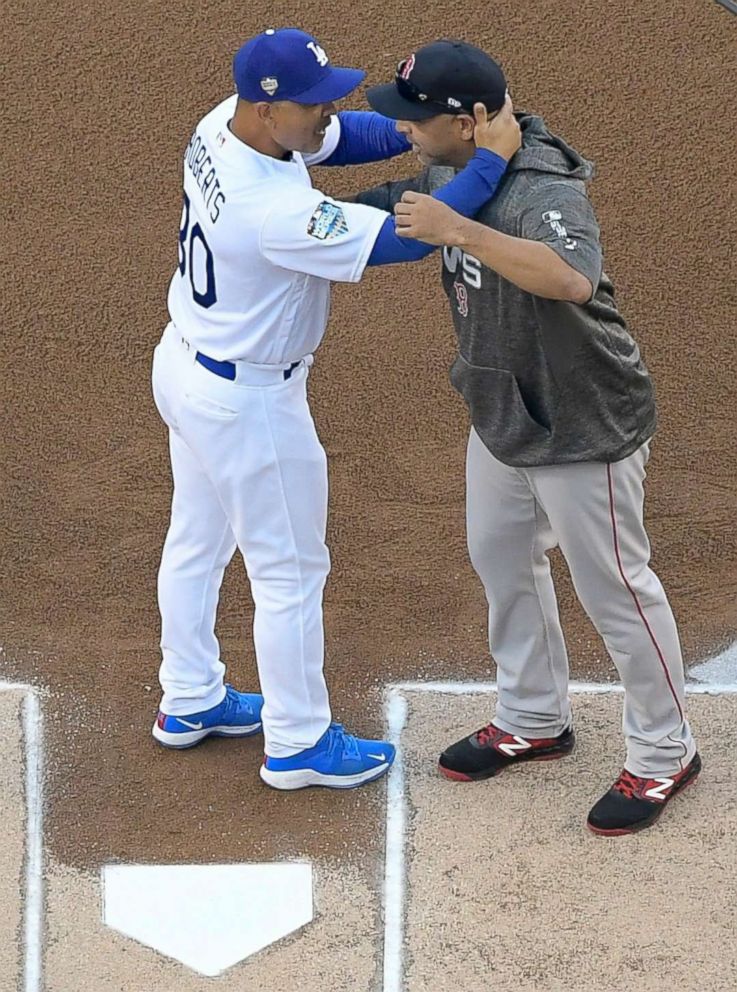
482, 688
395, 868
33, 875
33, 921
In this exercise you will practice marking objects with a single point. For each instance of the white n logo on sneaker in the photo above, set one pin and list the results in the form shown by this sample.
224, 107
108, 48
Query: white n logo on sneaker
511, 749
377, 757
660, 791
192, 726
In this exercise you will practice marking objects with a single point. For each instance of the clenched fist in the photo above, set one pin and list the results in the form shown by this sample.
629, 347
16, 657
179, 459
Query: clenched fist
427, 219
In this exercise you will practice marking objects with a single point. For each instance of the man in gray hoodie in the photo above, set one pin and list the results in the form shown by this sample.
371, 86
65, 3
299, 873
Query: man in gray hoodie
562, 411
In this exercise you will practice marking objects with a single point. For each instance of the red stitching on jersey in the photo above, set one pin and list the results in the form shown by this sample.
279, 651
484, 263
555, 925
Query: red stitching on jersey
634, 594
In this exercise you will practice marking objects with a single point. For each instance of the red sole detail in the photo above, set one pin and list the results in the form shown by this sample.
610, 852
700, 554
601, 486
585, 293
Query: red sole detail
620, 833
482, 777
454, 776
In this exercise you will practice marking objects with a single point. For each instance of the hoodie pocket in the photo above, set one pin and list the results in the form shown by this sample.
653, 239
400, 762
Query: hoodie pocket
498, 411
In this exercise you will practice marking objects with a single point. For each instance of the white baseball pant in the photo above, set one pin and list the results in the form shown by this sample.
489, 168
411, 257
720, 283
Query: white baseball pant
594, 512
249, 472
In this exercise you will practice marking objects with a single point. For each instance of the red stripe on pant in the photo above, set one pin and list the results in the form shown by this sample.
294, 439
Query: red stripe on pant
633, 594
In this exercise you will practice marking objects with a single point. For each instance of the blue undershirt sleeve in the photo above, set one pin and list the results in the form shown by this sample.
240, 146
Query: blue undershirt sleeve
466, 193
366, 137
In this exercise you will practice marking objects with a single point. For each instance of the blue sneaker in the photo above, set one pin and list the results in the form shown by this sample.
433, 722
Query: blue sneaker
239, 715
337, 761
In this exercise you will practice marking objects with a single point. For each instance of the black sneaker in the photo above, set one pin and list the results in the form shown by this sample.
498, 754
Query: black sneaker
491, 750
634, 803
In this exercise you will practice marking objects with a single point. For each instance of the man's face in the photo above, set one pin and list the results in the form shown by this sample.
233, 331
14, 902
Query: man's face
299, 127
443, 140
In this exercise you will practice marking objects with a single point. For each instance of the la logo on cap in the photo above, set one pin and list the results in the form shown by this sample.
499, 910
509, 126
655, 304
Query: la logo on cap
319, 52
270, 85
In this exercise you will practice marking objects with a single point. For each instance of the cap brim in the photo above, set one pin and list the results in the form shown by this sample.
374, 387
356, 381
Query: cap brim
339, 83
388, 101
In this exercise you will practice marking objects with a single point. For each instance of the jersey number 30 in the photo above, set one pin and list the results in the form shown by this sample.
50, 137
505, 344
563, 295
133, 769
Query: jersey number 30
191, 252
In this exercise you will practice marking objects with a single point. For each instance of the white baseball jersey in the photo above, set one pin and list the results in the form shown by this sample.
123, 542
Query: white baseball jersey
258, 247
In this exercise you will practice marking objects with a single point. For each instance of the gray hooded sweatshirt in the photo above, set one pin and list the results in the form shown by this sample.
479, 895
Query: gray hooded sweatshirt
546, 381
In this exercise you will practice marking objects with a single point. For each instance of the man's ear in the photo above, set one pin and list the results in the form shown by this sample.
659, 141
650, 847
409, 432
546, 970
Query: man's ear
466, 124
265, 112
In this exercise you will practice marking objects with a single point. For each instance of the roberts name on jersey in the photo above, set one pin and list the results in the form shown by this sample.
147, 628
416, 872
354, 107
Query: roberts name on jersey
259, 247
199, 160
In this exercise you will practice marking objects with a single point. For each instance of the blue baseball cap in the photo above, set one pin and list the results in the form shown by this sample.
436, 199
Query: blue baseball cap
289, 64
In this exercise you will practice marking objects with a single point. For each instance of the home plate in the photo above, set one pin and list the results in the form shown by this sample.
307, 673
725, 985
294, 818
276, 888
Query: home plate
237, 927
208, 917
721, 668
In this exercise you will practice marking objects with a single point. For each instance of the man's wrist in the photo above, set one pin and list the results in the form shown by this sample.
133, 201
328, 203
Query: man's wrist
484, 154
463, 232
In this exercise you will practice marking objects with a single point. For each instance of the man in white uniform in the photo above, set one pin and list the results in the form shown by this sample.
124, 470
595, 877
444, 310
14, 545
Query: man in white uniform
258, 247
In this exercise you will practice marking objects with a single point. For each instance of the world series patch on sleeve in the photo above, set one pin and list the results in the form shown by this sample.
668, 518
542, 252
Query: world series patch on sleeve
328, 221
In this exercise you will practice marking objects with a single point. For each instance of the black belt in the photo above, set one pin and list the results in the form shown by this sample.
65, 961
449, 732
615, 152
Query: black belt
226, 370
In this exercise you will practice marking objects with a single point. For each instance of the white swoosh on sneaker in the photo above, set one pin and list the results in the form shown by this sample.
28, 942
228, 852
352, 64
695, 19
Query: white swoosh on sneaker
378, 757
192, 726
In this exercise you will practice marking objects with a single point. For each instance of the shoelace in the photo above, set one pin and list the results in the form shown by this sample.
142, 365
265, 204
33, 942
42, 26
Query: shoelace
233, 703
337, 737
487, 734
628, 784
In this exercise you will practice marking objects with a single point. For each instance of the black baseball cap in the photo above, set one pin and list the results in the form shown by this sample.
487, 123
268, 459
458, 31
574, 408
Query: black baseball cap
444, 77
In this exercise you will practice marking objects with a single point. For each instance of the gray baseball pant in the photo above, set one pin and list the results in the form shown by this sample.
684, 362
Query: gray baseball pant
594, 512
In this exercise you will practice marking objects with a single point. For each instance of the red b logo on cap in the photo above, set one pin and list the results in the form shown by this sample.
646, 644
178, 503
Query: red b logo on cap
407, 68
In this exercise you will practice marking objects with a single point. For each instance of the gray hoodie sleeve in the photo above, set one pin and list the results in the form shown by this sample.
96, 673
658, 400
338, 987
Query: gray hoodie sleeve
386, 195
561, 216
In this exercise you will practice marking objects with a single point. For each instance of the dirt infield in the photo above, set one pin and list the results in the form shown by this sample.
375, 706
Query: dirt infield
508, 892
99, 102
